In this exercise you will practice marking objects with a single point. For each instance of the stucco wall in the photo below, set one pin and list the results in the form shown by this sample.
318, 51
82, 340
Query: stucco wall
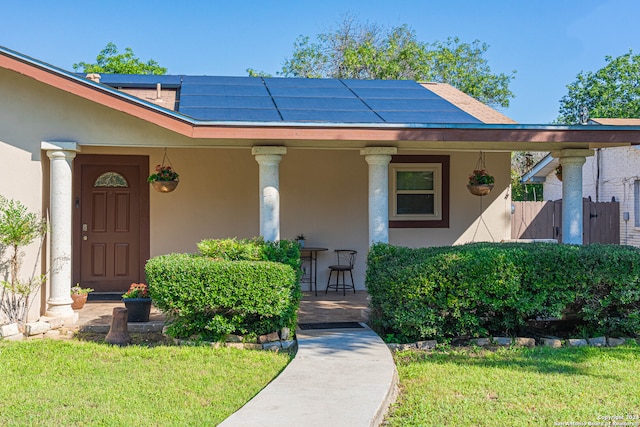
619, 169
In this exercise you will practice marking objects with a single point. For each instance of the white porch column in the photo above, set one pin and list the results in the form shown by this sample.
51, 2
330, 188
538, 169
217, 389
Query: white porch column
572, 161
269, 160
61, 155
378, 159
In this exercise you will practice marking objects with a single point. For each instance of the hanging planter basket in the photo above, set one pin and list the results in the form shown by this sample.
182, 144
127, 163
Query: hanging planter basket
164, 186
165, 179
480, 190
480, 181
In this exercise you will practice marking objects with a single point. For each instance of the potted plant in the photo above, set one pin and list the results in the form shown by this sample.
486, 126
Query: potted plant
300, 238
165, 180
79, 296
480, 182
138, 303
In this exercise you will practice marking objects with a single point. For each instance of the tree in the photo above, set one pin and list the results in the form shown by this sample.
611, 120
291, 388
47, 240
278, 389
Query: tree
368, 51
18, 228
612, 92
109, 61
522, 162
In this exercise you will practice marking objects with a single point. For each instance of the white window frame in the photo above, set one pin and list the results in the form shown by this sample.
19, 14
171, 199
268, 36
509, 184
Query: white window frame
436, 168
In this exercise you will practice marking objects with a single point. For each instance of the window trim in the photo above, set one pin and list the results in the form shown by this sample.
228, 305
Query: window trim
423, 161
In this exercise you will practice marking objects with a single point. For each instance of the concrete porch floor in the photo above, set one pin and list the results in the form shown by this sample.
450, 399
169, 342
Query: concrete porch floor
324, 308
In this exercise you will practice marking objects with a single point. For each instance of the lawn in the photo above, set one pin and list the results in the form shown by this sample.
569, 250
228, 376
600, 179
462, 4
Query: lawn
73, 383
518, 387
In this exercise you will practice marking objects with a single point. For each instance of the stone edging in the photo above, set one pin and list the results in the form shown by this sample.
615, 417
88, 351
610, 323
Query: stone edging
553, 342
275, 341
53, 328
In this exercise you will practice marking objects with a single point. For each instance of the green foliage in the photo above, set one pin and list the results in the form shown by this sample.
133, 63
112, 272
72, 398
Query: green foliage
256, 249
110, 61
18, 228
522, 162
481, 289
368, 51
611, 92
235, 286
255, 73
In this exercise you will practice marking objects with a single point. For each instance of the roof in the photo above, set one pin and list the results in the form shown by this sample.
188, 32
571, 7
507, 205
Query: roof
615, 122
274, 99
477, 109
548, 164
472, 135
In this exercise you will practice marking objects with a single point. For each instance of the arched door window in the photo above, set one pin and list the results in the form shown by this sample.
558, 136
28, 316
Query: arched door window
111, 179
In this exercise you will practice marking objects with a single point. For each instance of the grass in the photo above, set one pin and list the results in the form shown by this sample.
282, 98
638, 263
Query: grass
81, 383
518, 387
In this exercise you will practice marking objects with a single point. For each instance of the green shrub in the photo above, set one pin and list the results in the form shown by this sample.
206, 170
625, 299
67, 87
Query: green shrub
243, 287
486, 288
256, 249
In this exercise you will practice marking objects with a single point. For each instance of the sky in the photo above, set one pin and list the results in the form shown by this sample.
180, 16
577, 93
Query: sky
546, 42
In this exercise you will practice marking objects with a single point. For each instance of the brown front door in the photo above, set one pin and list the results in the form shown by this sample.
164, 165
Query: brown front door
111, 221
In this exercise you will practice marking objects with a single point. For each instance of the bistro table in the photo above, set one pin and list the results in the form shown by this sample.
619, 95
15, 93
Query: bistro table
310, 254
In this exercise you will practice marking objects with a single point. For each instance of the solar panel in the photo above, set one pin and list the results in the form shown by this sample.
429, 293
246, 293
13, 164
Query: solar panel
217, 80
232, 114
312, 91
339, 104
381, 84
432, 117
299, 99
300, 82
411, 105
235, 90
212, 101
329, 116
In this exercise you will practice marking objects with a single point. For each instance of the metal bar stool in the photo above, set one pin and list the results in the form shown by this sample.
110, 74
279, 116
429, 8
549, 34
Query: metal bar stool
346, 259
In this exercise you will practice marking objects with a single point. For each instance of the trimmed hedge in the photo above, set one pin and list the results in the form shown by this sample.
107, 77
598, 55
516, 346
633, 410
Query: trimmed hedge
211, 297
488, 288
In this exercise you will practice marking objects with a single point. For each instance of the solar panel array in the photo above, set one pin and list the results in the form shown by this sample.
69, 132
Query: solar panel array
262, 99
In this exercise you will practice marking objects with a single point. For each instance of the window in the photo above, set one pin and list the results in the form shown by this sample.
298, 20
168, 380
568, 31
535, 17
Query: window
419, 192
111, 179
415, 191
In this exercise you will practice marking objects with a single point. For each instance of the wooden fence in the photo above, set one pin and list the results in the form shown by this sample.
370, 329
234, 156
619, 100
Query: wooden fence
543, 220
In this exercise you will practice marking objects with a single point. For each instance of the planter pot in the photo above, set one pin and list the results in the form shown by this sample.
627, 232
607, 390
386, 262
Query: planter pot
78, 301
480, 190
301, 243
138, 309
165, 186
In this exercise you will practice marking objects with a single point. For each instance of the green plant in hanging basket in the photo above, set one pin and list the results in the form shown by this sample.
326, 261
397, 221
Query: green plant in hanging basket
165, 180
163, 173
480, 177
480, 182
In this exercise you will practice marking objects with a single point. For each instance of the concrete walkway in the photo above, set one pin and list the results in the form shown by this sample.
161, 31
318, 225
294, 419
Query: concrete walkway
339, 377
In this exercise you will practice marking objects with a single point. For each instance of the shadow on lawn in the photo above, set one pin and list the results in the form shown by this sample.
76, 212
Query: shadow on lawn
149, 339
544, 360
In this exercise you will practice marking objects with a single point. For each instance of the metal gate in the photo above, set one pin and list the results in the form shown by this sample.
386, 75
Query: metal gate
543, 220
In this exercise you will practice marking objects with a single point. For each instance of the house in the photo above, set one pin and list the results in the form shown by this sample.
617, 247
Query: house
612, 173
346, 162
